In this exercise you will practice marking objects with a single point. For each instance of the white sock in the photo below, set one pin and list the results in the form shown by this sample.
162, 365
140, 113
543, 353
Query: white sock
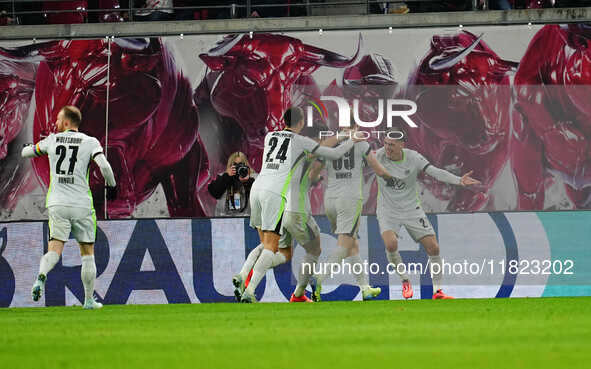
436, 278
335, 258
250, 260
278, 259
88, 276
361, 277
48, 261
395, 259
304, 273
263, 263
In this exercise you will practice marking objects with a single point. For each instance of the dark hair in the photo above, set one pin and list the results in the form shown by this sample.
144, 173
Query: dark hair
293, 116
72, 114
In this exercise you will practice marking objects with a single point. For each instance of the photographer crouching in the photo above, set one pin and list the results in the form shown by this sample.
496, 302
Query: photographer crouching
232, 188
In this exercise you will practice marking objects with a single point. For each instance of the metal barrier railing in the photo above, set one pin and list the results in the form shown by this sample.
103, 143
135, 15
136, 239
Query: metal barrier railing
233, 10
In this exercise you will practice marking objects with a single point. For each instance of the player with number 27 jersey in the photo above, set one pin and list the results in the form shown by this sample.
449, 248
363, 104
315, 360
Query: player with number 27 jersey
69, 200
69, 153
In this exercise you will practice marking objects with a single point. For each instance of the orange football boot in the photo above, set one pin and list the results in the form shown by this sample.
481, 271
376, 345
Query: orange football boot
439, 295
303, 298
406, 290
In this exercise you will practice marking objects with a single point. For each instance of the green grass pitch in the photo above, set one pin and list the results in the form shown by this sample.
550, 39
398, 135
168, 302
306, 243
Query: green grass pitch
488, 333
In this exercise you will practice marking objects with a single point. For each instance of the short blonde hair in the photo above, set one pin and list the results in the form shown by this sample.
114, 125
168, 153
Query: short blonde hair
72, 114
240, 155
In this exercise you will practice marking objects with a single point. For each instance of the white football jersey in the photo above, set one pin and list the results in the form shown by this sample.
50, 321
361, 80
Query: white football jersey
283, 158
69, 153
345, 175
400, 198
299, 201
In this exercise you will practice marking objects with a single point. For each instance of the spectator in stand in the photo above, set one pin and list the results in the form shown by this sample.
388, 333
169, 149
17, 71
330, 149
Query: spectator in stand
155, 10
72, 11
394, 8
112, 15
236, 11
5, 18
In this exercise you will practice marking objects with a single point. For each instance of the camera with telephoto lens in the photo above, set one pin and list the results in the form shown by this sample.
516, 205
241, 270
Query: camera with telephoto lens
242, 170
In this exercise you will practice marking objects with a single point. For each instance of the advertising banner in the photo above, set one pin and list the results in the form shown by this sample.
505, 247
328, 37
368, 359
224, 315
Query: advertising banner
163, 261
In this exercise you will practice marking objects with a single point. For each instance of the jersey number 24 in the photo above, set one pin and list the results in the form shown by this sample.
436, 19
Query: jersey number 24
282, 153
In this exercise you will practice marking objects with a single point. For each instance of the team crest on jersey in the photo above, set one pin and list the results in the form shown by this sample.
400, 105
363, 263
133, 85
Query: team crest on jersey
397, 184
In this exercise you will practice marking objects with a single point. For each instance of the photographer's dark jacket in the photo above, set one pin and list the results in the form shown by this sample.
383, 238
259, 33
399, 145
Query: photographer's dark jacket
224, 188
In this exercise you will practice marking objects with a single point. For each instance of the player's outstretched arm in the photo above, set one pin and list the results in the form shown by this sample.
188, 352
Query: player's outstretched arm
447, 177
31, 151
378, 168
333, 153
105, 169
332, 141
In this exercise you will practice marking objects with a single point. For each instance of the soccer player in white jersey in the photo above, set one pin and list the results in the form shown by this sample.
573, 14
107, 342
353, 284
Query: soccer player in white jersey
398, 205
298, 222
298, 225
69, 200
343, 202
283, 157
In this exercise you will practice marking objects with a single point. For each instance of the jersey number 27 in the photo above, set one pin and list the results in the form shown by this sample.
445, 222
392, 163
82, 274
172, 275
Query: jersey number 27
61, 151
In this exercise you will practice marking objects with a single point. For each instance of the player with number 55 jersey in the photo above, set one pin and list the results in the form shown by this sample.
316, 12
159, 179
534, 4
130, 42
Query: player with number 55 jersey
343, 201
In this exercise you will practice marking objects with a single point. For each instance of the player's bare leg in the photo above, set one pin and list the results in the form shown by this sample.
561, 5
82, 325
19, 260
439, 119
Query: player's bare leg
48, 261
432, 248
263, 263
306, 270
88, 275
394, 258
